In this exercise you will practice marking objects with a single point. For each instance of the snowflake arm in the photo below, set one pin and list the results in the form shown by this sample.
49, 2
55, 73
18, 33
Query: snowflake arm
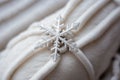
73, 26
56, 49
43, 44
58, 24
47, 30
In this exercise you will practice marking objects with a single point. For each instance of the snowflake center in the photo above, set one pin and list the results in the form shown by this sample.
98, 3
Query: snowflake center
60, 36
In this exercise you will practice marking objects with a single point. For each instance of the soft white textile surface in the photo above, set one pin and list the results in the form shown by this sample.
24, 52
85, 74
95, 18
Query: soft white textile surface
17, 15
99, 51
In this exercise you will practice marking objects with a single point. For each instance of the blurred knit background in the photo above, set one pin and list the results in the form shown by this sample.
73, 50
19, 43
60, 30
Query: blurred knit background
17, 15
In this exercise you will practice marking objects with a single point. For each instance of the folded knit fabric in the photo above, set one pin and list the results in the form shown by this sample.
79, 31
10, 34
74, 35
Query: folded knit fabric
17, 18
75, 43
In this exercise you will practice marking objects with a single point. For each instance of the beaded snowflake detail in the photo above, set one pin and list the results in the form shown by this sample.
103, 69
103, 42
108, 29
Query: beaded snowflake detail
60, 38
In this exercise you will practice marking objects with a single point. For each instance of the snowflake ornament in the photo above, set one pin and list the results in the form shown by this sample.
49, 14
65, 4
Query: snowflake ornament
60, 35
59, 38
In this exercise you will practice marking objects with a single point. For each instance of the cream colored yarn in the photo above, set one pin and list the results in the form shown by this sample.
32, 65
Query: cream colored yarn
17, 18
22, 47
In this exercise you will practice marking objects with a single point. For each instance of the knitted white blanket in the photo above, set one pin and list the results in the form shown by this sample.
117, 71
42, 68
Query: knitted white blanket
75, 43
